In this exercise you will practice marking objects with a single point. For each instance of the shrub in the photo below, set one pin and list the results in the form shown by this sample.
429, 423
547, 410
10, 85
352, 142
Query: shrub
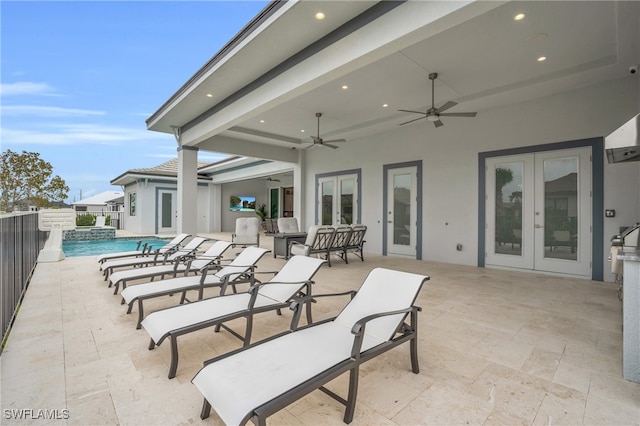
85, 220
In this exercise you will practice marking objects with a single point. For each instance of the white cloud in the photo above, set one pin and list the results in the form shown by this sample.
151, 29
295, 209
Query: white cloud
26, 88
80, 134
46, 111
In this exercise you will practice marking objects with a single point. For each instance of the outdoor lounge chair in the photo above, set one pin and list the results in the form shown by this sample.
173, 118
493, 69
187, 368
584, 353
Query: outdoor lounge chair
319, 240
288, 225
356, 241
247, 232
294, 279
236, 271
340, 240
169, 257
170, 246
257, 381
187, 264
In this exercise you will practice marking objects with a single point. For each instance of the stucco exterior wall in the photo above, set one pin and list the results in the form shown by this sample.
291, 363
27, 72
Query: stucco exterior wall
449, 156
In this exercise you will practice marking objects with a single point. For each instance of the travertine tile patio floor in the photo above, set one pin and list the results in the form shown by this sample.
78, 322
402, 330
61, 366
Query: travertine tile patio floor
496, 347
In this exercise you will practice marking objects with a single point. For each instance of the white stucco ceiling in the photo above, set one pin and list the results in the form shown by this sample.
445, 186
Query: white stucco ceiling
483, 57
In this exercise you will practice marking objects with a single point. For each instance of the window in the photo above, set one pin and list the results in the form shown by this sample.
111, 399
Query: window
132, 204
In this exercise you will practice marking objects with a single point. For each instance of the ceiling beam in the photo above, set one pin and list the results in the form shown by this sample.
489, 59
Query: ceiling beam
233, 146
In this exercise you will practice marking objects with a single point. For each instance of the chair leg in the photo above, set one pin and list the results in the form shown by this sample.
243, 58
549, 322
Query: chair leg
353, 394
309, 320
413, 344
206, 410
414, 354
174, 357
152, 344
140, 314
248, 331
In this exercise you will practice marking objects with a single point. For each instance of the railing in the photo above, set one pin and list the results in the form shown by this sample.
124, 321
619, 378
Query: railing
117, 218
20, 243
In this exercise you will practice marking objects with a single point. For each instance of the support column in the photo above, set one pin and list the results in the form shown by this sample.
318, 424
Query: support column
299, 192
187, 215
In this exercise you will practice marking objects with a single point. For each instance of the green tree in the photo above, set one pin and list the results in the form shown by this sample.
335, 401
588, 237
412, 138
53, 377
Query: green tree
27, 179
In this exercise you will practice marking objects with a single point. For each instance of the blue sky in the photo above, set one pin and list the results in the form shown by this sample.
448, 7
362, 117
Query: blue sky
79, 78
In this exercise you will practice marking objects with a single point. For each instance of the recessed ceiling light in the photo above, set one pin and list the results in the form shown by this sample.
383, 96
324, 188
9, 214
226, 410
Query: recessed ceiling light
302, 131
385, 105
519, 17
542, 58
345, 87
209, 95
320, 16
262, 121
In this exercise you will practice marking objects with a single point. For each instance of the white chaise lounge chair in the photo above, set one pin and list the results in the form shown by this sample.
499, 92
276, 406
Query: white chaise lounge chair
186, 266
170, 246
255, 382
188, 250
294, 279
241, 267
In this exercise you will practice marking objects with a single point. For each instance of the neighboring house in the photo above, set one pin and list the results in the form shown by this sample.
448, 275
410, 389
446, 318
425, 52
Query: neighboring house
107, 201
547, 89
151, 194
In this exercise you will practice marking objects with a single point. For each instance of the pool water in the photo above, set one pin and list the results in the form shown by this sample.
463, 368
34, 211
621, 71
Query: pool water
94, 248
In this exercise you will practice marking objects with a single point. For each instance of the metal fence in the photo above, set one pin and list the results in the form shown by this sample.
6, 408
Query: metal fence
117, 218
20, 243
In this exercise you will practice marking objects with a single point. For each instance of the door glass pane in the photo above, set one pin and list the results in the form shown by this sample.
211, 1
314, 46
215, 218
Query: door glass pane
275, 203
508, 208
401, 209
561, 208
327, 203
166, 210
346, 201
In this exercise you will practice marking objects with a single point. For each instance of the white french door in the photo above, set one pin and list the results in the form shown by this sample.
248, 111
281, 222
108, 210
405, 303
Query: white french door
402, 211
538, 211
338, 200
166, 211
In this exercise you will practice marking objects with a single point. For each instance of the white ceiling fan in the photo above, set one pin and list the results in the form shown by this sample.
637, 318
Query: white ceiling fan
318, 141
433, 114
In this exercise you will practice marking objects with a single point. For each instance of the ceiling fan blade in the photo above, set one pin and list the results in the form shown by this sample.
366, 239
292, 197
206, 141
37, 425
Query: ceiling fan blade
438, 123
312, 146
446, 106
459, 114
334, 141
329, 145
415, 112
411, 121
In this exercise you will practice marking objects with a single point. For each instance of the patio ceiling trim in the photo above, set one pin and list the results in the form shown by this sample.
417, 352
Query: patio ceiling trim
243, 34
351, 26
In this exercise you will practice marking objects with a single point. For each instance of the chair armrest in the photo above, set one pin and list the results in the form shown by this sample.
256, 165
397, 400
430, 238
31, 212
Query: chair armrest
360, 325
295, 306
253, 290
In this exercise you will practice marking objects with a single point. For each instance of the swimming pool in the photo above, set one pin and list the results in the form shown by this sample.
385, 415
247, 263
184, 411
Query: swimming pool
94, 248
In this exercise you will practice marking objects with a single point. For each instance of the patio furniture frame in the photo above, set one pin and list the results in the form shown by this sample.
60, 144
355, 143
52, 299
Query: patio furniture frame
237, 271
172, 245
169, 257
185, 264
250, 298
213, 383
319, 240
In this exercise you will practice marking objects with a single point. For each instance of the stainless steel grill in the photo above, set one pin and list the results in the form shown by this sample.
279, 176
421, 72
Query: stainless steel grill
629, 238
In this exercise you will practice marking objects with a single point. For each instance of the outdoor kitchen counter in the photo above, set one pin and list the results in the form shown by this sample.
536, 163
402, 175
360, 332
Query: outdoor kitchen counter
631, 314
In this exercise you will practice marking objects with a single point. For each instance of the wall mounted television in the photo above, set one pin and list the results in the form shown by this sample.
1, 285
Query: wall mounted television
242, 203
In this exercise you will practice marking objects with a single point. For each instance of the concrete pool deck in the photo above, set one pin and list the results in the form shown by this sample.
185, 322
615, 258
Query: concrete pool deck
495, 347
